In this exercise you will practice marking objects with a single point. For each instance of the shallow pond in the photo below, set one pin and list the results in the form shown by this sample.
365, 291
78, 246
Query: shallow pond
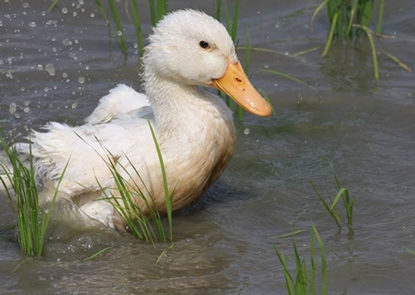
55, 66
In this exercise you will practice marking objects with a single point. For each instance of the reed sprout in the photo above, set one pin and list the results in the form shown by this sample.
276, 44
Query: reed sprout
145, 224
351, 19
330, 205
20, 184
304, 281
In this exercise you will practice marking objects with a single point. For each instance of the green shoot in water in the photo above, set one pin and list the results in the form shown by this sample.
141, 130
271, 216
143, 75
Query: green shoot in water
350, 20
330, 205
123, 197
33, 218
304, 281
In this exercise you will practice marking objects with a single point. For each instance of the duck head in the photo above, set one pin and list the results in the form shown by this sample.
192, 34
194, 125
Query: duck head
189, 47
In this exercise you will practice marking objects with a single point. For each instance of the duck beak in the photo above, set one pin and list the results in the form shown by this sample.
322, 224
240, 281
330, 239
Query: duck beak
236, 85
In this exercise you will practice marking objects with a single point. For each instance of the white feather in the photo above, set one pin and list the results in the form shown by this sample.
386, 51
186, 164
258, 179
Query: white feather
121, 100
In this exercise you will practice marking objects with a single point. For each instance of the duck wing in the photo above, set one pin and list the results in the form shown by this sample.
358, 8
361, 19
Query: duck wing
121, 100
115, 126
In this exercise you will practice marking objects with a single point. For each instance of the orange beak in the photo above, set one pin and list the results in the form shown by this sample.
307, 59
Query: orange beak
236, 85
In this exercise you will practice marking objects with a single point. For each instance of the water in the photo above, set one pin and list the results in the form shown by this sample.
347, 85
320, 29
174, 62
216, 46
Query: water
55, 66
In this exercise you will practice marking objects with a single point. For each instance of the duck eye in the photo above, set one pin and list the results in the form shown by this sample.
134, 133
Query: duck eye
204, 44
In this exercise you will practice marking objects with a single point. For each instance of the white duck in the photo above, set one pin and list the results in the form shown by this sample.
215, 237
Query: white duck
194, 127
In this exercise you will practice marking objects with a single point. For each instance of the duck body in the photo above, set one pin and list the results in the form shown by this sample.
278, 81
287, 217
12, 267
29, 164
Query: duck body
194, 127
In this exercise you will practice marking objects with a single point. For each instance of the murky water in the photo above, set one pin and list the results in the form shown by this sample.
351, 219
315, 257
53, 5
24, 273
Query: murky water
55, 66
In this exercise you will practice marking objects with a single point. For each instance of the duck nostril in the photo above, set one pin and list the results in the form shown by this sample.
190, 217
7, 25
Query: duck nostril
238, 80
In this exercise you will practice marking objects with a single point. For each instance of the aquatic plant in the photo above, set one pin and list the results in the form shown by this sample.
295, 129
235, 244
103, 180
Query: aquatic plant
32, 217
410, 251
330, 205
146, 225
350, 20
304, 281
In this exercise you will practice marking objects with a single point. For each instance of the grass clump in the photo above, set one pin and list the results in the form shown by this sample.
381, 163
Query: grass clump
148, 225
330, 205
351, 20
303, 283
32, 218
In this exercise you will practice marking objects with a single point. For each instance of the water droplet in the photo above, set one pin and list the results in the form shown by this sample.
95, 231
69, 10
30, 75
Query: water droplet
287, 53
74, 105
81, 2
9, 75
40, 67
67, 42
32, 24
12, 107
277, 25
1, 23
87, 68
81, 79
26, 109
65, 75
50, 69
25, 4
74, 14
64, 10
43, 13
119, 33
92, 14
246, 131
135, 45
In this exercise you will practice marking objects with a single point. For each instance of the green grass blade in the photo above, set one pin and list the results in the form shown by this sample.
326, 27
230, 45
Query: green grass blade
165, 183
331, 34
46, 217
373, 47
100, 252
380, 16
367, 12
317, 10
265, 96
53, 5
337, 198
398, 61
235, 21
410, 251
118, 24
288, 278
218, 7
323, 262
227, 21
312, 265
289, 234
162, 253
331, 212
152, 12
351, 18
288, 77
137, 24
101, 10
297, 54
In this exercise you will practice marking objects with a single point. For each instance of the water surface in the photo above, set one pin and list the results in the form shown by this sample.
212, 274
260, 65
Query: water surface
55, 66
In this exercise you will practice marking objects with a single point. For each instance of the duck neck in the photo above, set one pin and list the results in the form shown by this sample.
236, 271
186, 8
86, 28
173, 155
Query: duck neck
179, 109
170, 101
